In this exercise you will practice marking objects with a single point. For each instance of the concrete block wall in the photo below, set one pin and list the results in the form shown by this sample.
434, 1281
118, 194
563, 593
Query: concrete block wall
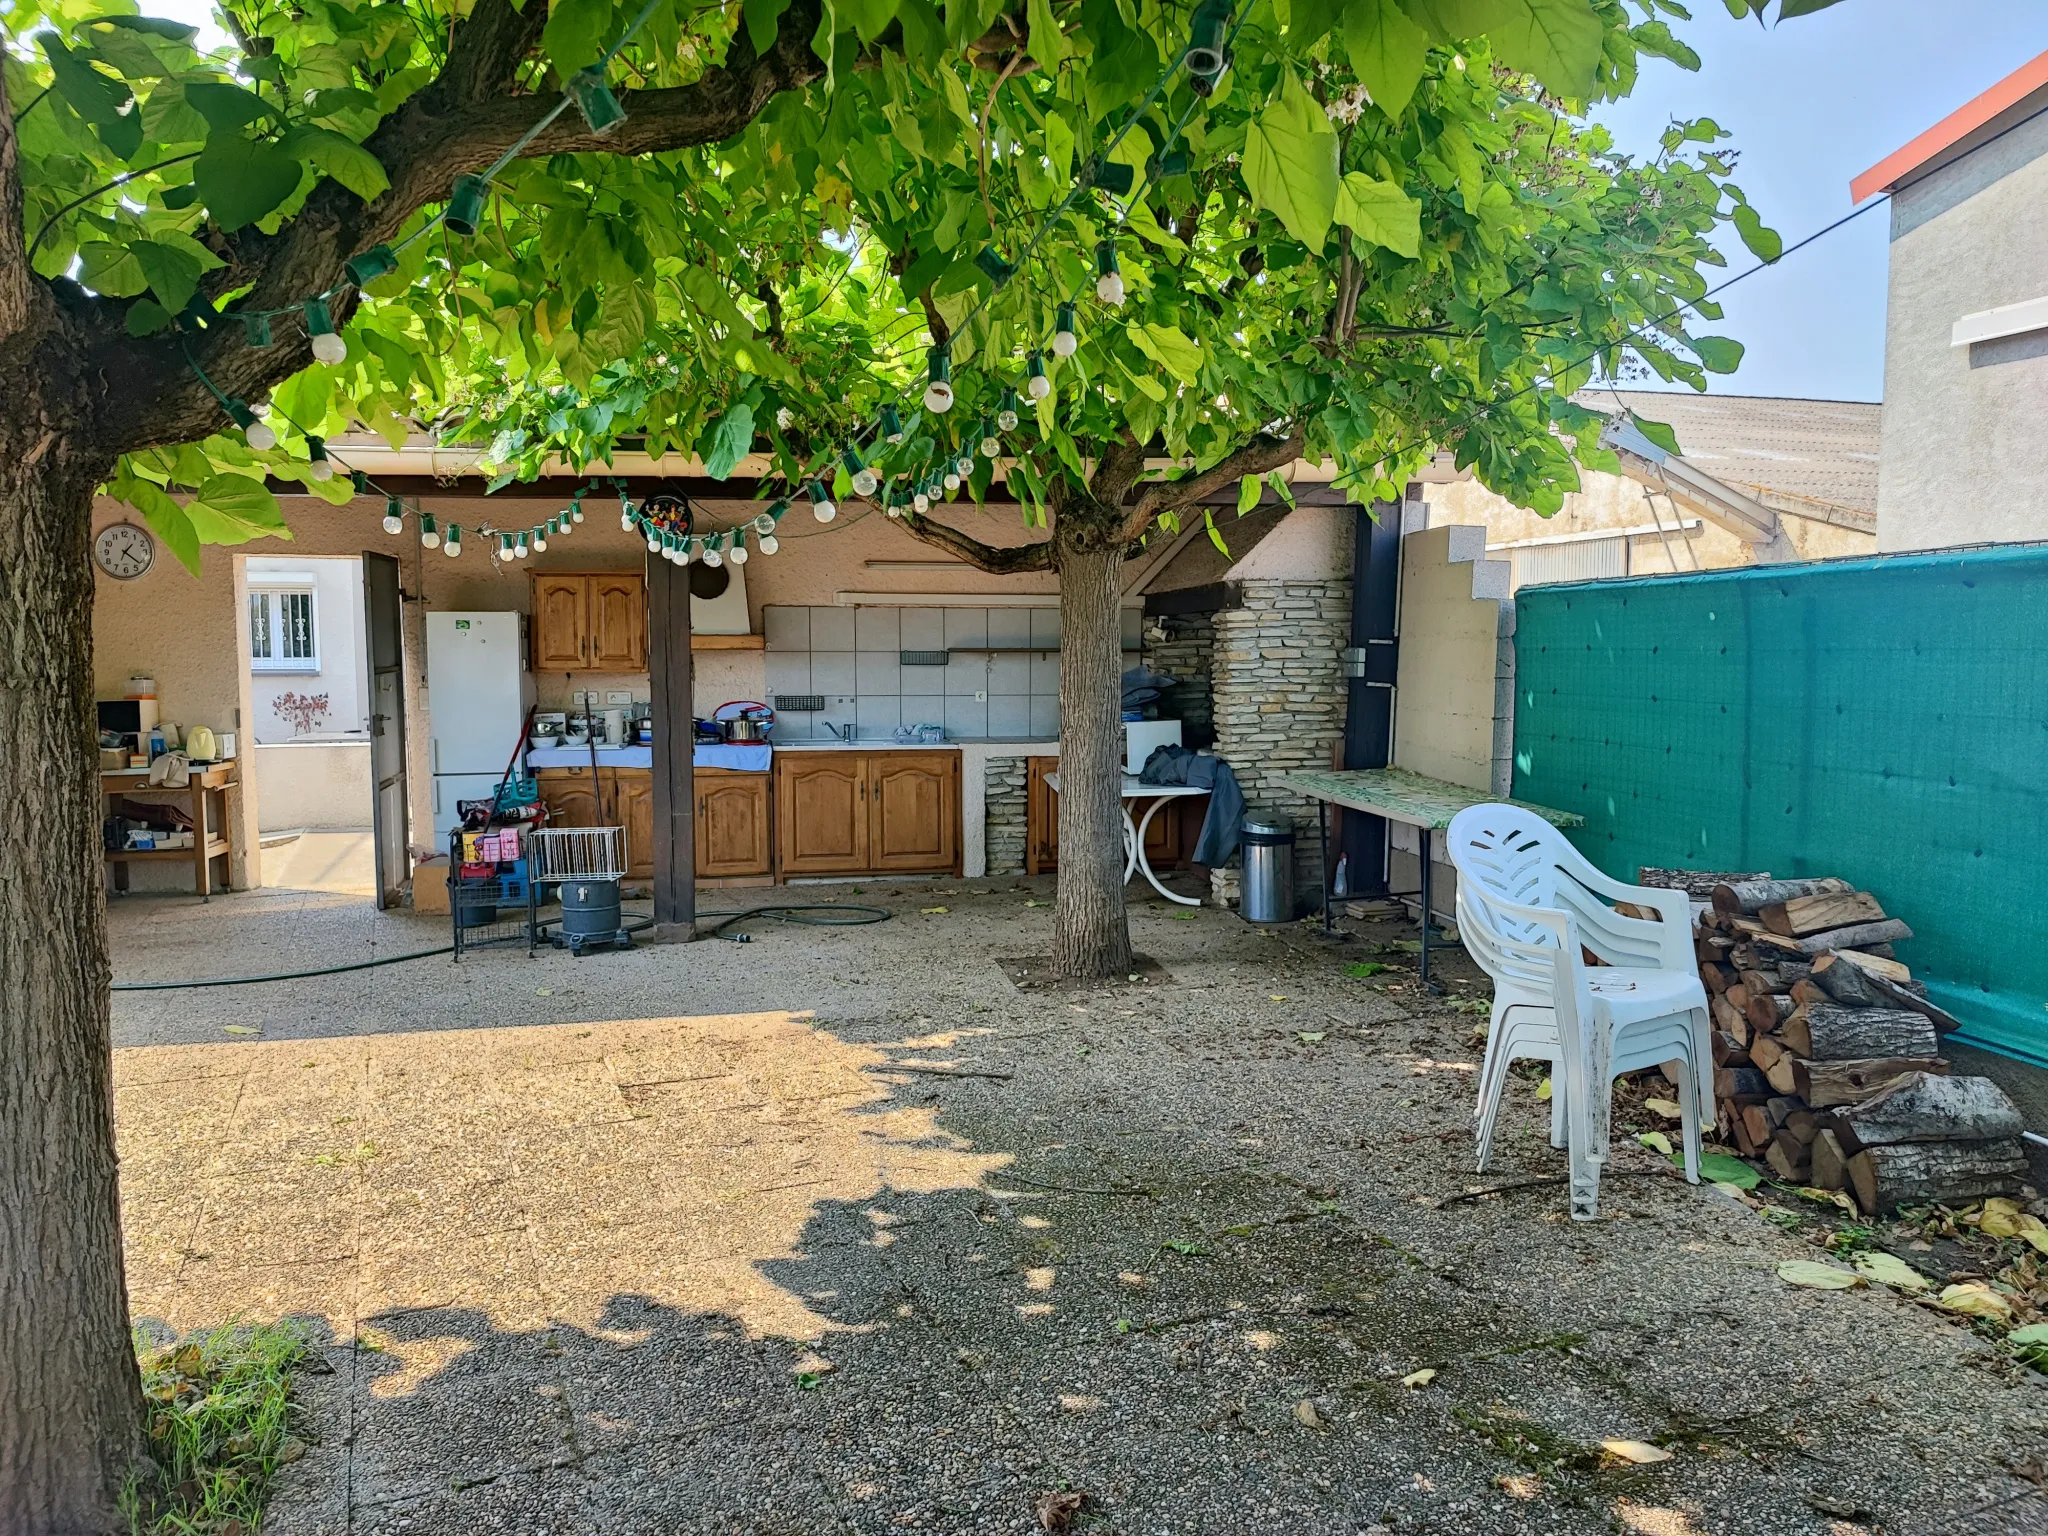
1279, 697
1006, 798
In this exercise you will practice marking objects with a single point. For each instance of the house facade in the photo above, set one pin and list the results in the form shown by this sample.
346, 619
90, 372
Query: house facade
1966, 325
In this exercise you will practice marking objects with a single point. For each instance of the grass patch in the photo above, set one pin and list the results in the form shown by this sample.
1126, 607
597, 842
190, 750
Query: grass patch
219, 1426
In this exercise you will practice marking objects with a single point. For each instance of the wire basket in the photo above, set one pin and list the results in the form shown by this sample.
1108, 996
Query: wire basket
577, 853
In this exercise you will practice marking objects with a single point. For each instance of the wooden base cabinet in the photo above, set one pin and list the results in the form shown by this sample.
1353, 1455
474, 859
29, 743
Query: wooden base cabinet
1166, 839
732, 823
619, 797
846, 813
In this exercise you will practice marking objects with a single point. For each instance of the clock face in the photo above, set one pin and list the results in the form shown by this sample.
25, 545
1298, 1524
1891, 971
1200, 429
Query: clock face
124, 551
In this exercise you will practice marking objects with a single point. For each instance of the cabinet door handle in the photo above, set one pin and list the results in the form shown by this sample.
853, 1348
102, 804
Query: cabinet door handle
700, 805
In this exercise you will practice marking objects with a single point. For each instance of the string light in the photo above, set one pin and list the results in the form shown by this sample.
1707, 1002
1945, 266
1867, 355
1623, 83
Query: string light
1064, 341
1006, 416
394, 515
938, 394
1207, 55
328, 346
430, 536
739, 546
1037, 385
519, 550
1109, 281
864, 481
504, 546
892, 425
712, 557
465, 210
318, 465
821, 504
540, 540
452, 545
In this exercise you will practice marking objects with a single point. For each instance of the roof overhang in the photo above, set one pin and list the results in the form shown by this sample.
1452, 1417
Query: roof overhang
1947, 134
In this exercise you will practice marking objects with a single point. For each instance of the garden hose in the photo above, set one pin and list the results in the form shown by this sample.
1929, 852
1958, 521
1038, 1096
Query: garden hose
848, 917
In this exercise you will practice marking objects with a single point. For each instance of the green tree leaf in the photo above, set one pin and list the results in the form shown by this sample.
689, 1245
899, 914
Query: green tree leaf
233, 509
574, 35
241, 180
1557, 41
731, 440
107, 104
1166, 346
1290, 164
761, 17
1764, 242
111, 269
342, 158
173, 272
1658, 433
1047, 43
1387, 50
1717, 354
226, 107
163, 514
1249, 490
1380, 212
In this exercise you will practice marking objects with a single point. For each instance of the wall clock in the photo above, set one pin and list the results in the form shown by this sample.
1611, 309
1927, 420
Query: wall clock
124, 551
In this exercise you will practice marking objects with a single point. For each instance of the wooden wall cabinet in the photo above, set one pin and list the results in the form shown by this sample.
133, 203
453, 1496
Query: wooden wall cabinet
732, 823
842, 813
589, 621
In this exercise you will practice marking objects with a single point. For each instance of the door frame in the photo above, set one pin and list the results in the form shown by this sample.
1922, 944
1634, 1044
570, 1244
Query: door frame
382, 579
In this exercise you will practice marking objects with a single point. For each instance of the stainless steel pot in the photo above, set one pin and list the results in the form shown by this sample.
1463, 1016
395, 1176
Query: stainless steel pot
745, 730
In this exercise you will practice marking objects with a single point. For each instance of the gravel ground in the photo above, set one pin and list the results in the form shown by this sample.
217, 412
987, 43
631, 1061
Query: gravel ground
1218, 1248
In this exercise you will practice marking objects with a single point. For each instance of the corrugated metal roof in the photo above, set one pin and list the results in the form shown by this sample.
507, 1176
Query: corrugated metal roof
1823, 449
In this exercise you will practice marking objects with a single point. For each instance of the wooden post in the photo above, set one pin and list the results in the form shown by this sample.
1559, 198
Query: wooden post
672, 687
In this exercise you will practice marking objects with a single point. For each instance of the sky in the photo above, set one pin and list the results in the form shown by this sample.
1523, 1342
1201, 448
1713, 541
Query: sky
1811, 104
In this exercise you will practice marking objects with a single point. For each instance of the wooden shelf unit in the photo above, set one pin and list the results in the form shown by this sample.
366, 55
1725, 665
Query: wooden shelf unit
208, 843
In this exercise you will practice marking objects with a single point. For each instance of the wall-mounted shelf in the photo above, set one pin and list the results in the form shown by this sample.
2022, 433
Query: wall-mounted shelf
728, 642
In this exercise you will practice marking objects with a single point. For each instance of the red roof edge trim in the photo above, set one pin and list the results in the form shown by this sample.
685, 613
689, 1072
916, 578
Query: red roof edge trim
1951, 130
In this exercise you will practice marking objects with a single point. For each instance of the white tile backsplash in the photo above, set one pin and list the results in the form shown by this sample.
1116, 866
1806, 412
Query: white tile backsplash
967, 675
788, 671
1009, 714
923, 629
966, 716
1009, 674
1045, 626
1009, 626
1045, 674
878, 716
786, 629
966, 627
924, 709
832, 629
832, 672
877, 629
1045, 716
877, 672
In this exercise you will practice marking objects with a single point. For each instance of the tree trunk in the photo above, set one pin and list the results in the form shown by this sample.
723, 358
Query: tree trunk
71, 1403
1091, 932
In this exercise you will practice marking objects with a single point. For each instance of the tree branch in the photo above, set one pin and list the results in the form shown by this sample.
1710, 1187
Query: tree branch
996, 559
460, 122
1262, 453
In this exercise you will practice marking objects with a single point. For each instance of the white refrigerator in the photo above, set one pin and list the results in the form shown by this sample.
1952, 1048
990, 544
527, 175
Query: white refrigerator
478, 692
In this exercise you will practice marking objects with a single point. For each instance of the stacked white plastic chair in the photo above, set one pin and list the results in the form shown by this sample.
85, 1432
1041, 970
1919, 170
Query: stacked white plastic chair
1528, 902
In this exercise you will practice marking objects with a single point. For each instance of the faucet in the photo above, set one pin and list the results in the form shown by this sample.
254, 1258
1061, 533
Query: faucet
837, 733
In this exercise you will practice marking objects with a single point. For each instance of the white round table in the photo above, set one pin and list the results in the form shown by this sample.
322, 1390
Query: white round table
1135, 861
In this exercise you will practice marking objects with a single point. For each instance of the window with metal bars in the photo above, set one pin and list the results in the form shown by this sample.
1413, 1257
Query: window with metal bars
282, 634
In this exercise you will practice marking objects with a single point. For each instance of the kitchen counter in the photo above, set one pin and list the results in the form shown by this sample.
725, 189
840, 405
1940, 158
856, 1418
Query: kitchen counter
891, 744
579, 757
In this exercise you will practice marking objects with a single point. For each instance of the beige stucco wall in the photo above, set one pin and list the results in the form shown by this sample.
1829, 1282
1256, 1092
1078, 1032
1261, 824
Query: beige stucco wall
312, 784
191, 633
1961, 459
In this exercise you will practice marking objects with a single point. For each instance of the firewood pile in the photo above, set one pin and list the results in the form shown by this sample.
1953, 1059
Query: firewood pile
1827, 1052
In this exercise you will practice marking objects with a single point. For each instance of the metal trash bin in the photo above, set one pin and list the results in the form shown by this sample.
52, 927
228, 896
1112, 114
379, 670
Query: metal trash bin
1266, 887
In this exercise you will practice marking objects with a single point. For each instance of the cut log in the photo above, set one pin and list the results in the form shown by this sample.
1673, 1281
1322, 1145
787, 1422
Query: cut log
1767, 1010
1830, 1162
1788, 1159
1740, 1083
1696, 883
1718, 978
1806, 991
1825, 1084
1856, 936
1773, 981
1935, 1172
1804, 1124
1848, 985
1751, 896
1890, 970
1924, 1107
1745, 1143
1765, 1052
1896, 996
1756, 1124
1830, 1032
1728, 1051
1783, 1075
1738, 997
1780, 1110
1727, 1017
1815, 914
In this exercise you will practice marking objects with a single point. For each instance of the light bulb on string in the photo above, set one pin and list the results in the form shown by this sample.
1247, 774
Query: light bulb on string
864, 481
712, 557
892, 425
739, 546
254, 432
430, 536
626, 518
576, 511
328, 347
921, 501
504, 546
668, 547
964, 465
991, 445
1109, 281
765, 522
821, 504
394, 515
952, 481
451, 545
938, 393
520, 548
540, 539
1064, 342
562, 524
768, 543
653, 538
318, 466
1006, 416
1036, 384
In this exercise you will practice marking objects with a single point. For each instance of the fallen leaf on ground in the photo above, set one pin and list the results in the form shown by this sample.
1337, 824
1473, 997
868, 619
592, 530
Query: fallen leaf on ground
1421, 1378
543, 991
1720, 1168
1543, 1090
1311, 1036
1817, 1276
810, 1363
1519, 1485
1040, 1279
1668, 1108
932, 911
1641, 1452
1277, 997
1037, 903
1306, 1416
1076, 1402
1889, 1269
2001, 1218
1056, 1511
1656, 1141
1262, 1338
240, 1029
1975, 1299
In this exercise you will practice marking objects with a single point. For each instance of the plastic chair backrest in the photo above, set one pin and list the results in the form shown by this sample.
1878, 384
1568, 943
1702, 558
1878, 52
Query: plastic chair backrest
1517, 856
